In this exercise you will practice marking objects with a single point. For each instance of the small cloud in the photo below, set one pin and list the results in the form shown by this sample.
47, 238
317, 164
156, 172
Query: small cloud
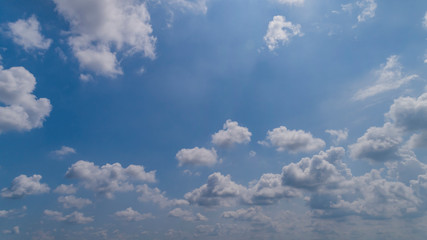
26, 33
85, 77
63, 151
339, 135
280, 31
131, 215
197, 156
65, 189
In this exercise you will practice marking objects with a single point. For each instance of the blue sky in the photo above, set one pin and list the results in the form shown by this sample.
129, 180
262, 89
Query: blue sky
213, 119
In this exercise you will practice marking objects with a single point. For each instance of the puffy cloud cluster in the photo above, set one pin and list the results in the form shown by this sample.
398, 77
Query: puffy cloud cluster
280, 31
65, 189
71, 201
99, 29
23, 185
409, 113
26, 33
231, 134
197, 156
389, 77
74, 217
158, 197
293, 140
186, 215
22, 111
132, 216
109, 178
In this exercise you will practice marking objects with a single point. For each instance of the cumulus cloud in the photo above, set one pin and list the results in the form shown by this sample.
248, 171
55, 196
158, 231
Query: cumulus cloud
186, 215
418, 141
339, 135
109, 178
253, 215
100, 29
292, 140
74, 202
291, 2
231, 134
21, 110
131, 215
280, 31
409, 113
63, 151
158, 197
197, 156
378, 144
27, 33
22, 186
368, 9
65, 189
389, 77
75, 217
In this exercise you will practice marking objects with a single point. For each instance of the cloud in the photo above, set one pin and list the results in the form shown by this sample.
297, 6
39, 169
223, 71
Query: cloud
340, 135
109, 178
186, 215
158, 197
280, 31
27, 33
389, 77
232, 133
65, 189
253, 215
292, 140
22, 186
291, 2
64, 151
409, 113
74, 217
14, 230
378, 144
418, 141
21, 110
13, 212
425, 20
102, 29
131, 215
219, 190
369, 7
197, 156
73, 202
194, 5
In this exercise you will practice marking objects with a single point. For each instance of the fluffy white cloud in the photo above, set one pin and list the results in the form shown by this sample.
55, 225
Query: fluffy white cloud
65, 189
186, 215
253, 215
340, 135
291, 2
197, 156
74, 202
369, 7
378, 144
74, 217
23, 185
232, 133
418, 141
409, 113
109, 178
26, 33
100, 28
158, 197
293, 140
131, 215
280, 31
63, 151
22, 110
389, 77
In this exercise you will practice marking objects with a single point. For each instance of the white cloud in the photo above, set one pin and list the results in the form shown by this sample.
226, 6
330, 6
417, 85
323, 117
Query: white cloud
109, 178
232, 133
425, 20
158, 197
192, 5
197, 156
280, 31
418, 140
291, 2
253, 215
65, 189
378, 144
340, 135
26, 33
186, 215
131, 215
389, 77
100, 29
293, 140
13, 212
22, 110
23, 185
63, 151
347, 7
73, 202
369, 7
409, 113
74, 217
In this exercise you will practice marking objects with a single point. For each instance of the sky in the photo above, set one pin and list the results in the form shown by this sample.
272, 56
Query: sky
213, 119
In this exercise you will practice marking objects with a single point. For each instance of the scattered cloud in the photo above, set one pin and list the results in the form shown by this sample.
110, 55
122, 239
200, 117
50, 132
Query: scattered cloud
74, 218
253, 215
231, 134
292, 140
280, 32
186, 215
291, 2
131, 215
339, 135
27, 34
197, 156
65, 189
158, 197
21, 110
368, 9
409, 113
192, 5
109, 178
22, 186
63, 151
71, 201
389, 77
